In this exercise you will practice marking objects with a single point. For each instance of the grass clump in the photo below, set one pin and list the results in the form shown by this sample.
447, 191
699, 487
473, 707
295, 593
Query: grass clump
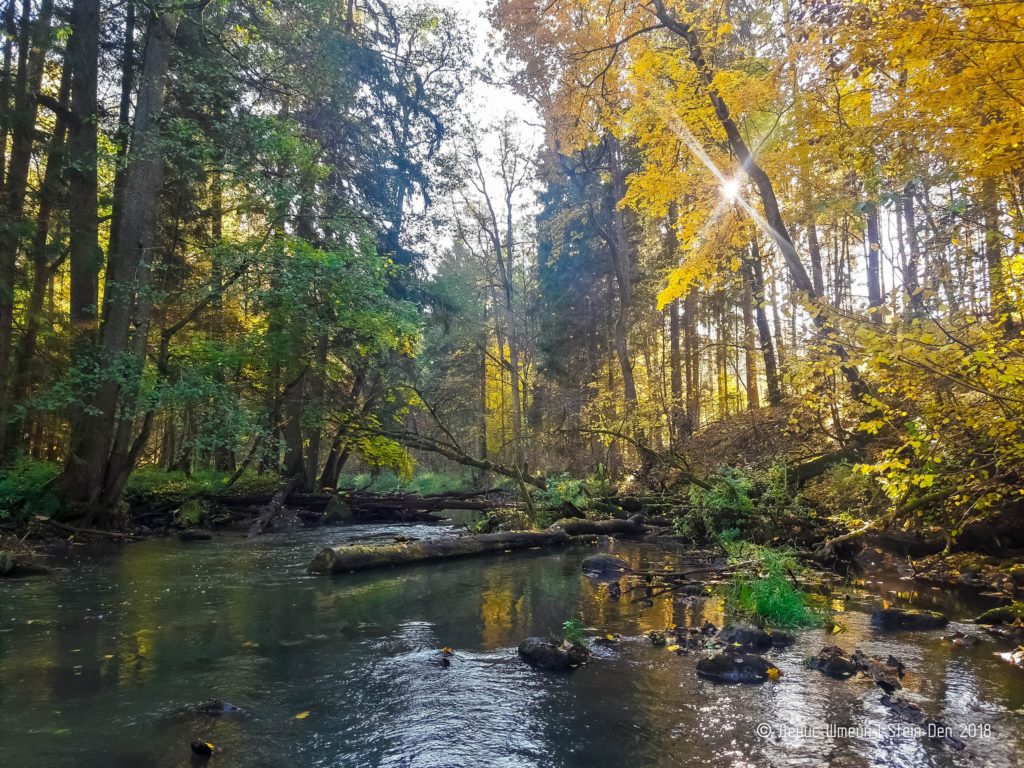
770, 597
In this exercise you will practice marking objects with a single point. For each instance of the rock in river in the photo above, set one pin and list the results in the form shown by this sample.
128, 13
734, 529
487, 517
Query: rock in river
737, 668
742, 638
898, 618
541, 653
604, 566
834, 662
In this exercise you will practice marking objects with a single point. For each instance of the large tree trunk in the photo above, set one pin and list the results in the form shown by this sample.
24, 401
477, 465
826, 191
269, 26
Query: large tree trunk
93, 477
619, 250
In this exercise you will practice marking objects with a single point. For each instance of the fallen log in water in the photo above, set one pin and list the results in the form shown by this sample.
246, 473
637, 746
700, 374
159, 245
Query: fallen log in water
358, 557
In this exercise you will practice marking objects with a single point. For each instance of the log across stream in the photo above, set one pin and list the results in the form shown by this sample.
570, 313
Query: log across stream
358, 557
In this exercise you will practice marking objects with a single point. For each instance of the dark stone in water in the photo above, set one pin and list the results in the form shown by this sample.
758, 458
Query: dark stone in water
215, 708
781, 639
737, 668
614, 591
834, 662
202, 748
540, 653
604, 566
898, 618
743, 638
959, 638
912, 713
195, 534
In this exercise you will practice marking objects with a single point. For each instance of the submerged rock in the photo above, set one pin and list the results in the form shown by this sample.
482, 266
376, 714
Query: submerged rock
737, 668
214, 708
604, 566
541, 653
912, 713
959, 638
195, 534
834, 662
899, 618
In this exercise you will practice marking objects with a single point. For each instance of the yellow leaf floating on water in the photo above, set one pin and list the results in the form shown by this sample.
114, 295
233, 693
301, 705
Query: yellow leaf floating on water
673, 648
773, 673
610, 637
302, 715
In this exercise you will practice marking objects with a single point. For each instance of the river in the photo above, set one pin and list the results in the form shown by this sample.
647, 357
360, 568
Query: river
99, 662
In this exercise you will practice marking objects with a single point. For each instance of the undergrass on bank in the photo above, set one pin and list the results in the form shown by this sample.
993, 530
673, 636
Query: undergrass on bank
422, 483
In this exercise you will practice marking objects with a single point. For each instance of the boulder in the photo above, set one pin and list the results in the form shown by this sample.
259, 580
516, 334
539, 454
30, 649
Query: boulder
901, 619
737, 668
604, 566
541, 653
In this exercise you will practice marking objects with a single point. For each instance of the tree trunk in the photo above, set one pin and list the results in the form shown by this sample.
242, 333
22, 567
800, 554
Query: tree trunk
874, 250
755, 275
749, 345
91, 479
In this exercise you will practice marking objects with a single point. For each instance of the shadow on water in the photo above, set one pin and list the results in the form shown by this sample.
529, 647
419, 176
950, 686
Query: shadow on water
99, 662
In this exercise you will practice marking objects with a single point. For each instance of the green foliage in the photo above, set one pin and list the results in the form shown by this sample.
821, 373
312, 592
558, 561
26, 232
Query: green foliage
26, 489
572, 631
151, 481
769, 597
727, 504
564, 489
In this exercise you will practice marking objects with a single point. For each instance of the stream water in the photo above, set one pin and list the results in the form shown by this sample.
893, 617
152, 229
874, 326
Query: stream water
99, 662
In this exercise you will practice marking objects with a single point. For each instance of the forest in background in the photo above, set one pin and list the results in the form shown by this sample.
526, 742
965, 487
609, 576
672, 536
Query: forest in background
756, 240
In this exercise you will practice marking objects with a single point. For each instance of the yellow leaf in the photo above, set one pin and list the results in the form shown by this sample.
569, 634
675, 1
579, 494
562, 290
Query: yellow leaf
302, 715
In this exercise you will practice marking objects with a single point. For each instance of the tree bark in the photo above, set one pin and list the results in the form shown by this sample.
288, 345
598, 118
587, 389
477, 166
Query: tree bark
93, 478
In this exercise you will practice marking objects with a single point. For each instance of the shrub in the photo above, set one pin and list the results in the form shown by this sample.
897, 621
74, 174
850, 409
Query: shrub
26, 489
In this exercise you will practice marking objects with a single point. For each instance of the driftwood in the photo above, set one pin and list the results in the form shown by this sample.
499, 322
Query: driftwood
273, 507
359, 557
344, 559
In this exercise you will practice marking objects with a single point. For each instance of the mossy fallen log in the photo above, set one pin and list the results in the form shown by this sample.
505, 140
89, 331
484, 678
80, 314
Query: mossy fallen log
358, 557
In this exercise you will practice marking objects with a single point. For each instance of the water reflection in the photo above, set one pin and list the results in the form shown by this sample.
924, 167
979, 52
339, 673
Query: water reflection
98, 663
